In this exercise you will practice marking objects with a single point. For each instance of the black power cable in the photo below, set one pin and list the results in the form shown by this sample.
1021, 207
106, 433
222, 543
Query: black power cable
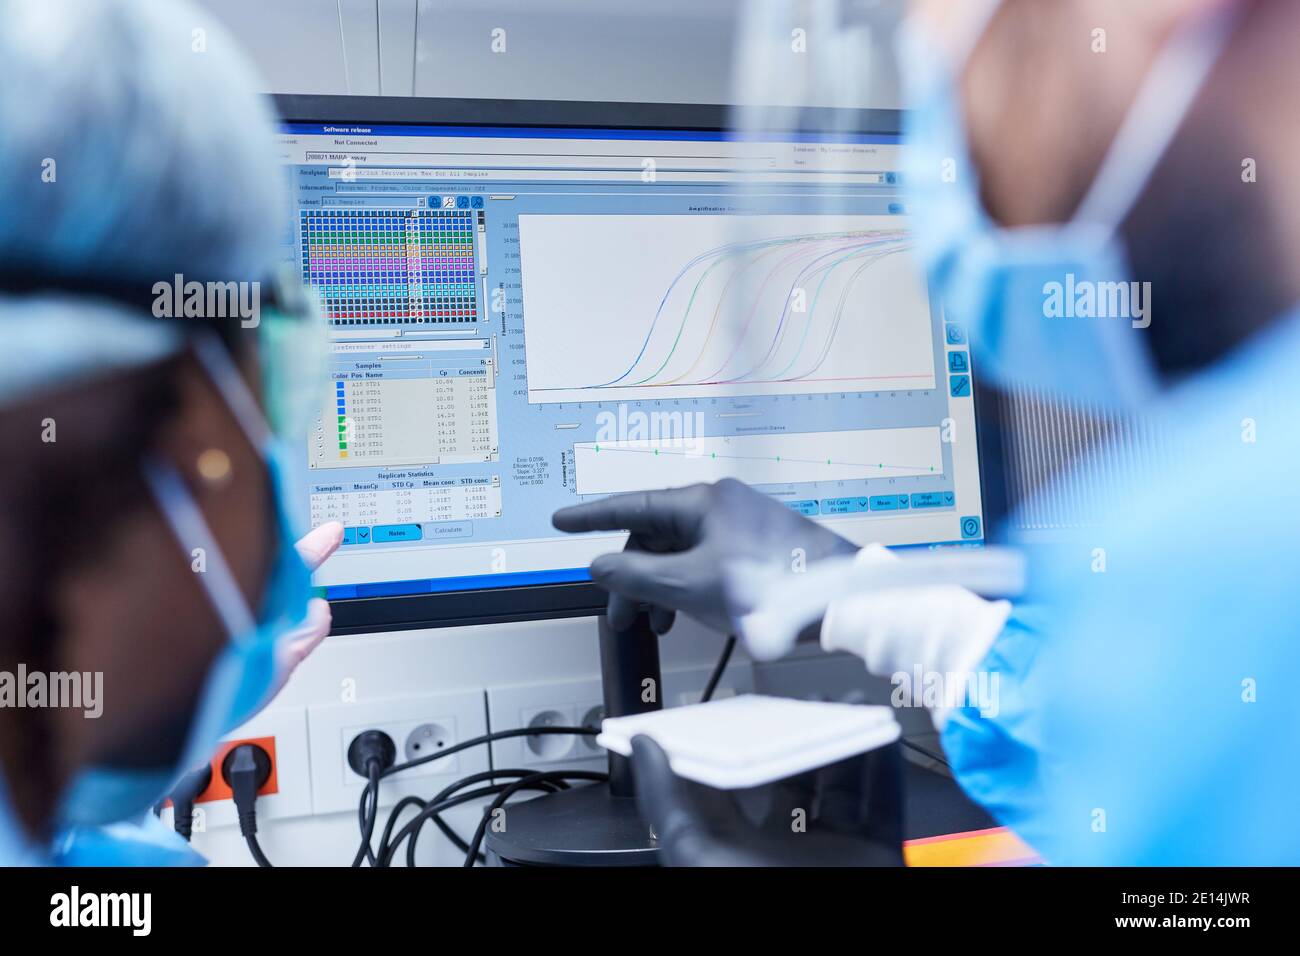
411, 832
412, 835
393, 816
547, 781
246, 769
718, 668
445, 801
487, 739
255, 849
183, 796
462, 798
370, 753
368, 816
457, 841
511, 789
367, 808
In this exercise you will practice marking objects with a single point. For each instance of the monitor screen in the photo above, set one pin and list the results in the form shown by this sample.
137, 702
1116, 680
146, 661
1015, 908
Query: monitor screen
527, 316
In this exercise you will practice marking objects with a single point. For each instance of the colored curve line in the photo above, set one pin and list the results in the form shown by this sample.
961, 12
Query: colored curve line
815, 256
872, 256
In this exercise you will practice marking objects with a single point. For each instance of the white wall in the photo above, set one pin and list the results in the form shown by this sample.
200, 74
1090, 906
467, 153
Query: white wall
665, 51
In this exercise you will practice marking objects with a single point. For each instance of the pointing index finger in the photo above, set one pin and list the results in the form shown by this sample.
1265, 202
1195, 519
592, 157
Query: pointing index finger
641, 512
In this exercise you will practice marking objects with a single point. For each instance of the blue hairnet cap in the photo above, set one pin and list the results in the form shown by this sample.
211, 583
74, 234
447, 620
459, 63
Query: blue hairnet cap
133, 145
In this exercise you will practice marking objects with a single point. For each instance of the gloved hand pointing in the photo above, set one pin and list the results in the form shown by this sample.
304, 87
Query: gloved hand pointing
682, 538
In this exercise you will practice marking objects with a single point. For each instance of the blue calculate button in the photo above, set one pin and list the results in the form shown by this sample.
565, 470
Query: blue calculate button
895, 208
803, 507
435, 202
958, 362
970, 527
396, 532
959, 386
448, 529
954, 333
843, 506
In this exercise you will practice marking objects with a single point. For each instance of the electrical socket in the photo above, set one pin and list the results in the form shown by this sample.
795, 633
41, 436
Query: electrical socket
592, 716
416, 724
560, 704
292, 796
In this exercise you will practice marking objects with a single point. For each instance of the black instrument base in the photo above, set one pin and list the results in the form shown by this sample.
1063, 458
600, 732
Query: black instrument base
584, 826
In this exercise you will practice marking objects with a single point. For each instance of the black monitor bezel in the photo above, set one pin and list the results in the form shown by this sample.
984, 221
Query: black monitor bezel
535, 601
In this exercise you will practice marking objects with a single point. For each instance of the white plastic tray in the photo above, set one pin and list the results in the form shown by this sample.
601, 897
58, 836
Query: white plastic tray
752, 740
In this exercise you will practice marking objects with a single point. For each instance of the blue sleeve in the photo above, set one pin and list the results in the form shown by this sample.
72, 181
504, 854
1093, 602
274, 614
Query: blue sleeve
144, 842
1146, 713
994, 750
1111, 743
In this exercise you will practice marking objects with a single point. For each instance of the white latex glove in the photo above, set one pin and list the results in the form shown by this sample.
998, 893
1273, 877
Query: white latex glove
944, 629
773, 606
314, 548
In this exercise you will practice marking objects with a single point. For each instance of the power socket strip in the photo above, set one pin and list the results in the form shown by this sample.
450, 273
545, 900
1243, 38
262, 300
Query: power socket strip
417, 725
292, 797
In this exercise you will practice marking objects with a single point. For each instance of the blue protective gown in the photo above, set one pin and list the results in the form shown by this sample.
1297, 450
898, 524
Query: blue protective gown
145, 841
1146, 714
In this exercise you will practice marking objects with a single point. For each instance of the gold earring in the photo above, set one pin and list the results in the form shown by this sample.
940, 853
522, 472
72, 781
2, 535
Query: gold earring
214, 466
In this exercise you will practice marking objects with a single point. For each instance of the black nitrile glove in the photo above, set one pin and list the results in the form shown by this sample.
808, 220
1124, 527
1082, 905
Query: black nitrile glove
680, 541
851, 815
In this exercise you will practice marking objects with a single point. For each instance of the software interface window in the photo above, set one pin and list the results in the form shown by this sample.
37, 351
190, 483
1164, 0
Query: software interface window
523, 319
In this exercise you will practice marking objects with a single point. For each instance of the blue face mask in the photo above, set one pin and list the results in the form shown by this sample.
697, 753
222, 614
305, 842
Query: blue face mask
1049, 306
246, 669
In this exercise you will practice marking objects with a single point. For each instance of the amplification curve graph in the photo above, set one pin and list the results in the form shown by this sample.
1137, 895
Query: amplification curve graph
632, 307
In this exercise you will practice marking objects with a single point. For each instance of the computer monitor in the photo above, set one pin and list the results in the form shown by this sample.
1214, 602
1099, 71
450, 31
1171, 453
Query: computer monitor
490, 270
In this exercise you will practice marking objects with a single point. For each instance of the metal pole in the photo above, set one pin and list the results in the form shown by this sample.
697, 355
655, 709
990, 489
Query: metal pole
632, 683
